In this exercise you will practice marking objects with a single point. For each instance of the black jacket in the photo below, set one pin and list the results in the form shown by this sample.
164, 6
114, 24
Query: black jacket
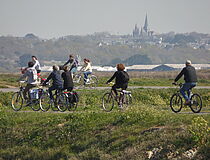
68, 82
73, 63
120, 76
56, 78
189, 74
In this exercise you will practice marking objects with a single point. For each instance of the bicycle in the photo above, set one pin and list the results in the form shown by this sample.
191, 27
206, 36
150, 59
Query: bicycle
176, 102
71, 100
91, 82
123, 101
18, 99
58, 100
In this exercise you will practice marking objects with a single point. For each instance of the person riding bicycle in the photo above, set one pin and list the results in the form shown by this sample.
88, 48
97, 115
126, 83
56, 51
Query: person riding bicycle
67, 79
31, 75
87, 69
190, 78
121, 79
57, 81
36, 64
73, 64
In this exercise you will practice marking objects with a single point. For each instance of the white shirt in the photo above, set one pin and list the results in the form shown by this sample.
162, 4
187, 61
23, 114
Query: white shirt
37, 65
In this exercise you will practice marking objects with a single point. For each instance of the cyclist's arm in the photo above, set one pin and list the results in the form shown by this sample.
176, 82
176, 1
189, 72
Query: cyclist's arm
23, 76
179, 75
114, 75
48, 78
67, 62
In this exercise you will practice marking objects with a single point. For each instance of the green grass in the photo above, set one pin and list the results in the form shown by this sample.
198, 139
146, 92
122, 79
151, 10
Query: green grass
8, 80
90, 133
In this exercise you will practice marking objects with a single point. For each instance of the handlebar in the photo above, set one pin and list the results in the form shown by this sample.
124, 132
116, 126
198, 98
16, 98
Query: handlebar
177, 84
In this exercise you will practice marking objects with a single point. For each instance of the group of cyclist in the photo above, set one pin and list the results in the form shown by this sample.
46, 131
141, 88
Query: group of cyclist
64, 81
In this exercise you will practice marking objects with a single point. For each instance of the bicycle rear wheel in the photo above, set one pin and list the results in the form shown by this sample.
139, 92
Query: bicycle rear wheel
62, 102
72, 106
17, 101
45, 102
107, 102
176, 103
126, 100
196, 103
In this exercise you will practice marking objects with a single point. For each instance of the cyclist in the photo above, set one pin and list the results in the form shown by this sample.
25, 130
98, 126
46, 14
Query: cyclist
87, 69
36, 64
67, 79
31, 75
190, 78
57, 81
121, 79
73, 64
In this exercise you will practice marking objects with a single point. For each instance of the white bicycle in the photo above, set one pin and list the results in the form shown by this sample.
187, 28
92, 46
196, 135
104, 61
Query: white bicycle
91, 82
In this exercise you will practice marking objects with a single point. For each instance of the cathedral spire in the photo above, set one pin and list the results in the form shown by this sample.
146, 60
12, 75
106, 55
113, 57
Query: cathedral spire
145, 24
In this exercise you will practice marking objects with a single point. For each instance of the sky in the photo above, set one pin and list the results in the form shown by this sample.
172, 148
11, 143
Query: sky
56, 18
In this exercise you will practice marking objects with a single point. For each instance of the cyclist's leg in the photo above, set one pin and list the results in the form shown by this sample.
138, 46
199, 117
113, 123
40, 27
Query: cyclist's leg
86, 75
26, 91
192, 85
50, 91
114, 89
185, 87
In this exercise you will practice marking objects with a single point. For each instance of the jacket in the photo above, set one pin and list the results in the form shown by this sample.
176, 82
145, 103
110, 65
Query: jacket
68, 82
56, 78
189, 73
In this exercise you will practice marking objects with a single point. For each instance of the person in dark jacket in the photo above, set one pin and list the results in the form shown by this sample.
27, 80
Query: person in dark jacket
67, 79
57, 81
121, 79
73, 64
190, 78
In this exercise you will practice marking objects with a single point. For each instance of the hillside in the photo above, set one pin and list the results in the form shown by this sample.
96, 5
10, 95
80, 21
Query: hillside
13, 48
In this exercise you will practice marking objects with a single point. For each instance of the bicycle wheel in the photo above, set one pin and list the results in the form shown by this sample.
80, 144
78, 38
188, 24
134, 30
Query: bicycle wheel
72, 106
35, 106
93, 81
17, 101
62, 102
196, 103
45, 102
77, 80
107, 102
176, 103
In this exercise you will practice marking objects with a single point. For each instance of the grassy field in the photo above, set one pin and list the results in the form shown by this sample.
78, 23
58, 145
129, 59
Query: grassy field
146, 130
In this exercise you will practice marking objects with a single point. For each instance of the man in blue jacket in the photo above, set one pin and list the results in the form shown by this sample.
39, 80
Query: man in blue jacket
57, 82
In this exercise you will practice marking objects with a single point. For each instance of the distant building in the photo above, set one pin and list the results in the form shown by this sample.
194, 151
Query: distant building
144, 32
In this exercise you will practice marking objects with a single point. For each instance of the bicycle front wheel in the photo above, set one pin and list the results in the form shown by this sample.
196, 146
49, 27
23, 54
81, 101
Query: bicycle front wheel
45, 102
176, 103
17, 101
196, 103
78, 82
35, 105
107, 102
93, 81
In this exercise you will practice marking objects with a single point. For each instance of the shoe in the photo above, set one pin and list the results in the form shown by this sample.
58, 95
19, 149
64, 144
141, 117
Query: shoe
187, 103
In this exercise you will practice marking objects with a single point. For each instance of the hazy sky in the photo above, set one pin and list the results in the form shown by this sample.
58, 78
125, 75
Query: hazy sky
55, 18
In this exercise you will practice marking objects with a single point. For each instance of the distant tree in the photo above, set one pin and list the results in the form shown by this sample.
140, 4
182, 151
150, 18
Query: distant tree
115, 61
138, 59
24, 59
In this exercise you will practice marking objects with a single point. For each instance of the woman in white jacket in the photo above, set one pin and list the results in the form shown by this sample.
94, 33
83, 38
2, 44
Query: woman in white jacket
87, 69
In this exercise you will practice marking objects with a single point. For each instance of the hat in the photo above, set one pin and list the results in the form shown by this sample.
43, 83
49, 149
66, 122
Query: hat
188, 62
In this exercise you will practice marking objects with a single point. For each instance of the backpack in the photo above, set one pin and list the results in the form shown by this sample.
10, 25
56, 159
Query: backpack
125, 77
